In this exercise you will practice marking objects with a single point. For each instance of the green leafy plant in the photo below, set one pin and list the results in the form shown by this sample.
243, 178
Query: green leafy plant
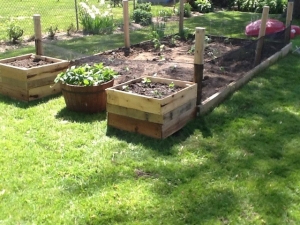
187, 10
146, 80
52, 31
142, 17
157, 33
14, 32
185, 33
95, 21
70, 29
171, 85
86, 75
144, 6
203, 6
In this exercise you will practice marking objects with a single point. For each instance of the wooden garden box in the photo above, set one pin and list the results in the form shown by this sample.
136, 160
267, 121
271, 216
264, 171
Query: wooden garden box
27, 84
158, 118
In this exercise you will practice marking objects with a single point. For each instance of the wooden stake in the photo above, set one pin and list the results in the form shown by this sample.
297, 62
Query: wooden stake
262, 32
199, 60
181, 14
126, 26
289, 16
38, 34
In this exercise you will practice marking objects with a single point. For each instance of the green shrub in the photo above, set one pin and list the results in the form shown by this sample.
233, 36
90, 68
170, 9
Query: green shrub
14, 32
144, 6
275, 6
203, 6
142, 17
187, 10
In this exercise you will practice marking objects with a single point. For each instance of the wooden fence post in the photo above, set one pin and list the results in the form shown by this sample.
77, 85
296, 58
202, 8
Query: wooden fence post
199, 61
38, 34
262, 32
181, 15
126, 27
289, 16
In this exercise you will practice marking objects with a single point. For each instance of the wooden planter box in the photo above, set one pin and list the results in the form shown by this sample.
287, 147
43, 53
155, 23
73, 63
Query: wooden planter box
158, 118
27, 84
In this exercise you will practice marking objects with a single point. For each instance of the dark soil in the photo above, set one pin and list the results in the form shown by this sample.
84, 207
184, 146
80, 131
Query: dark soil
28, 62
225, 60
152, 89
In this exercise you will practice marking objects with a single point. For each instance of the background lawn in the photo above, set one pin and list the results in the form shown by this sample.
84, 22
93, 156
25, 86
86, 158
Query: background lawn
236, 165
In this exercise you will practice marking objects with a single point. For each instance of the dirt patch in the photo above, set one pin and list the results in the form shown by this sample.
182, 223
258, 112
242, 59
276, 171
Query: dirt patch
224, 62
28, 62
151, 89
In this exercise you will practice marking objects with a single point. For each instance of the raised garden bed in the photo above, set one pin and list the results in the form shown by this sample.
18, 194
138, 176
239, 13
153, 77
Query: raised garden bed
30, 77
176, 61
226, 68
148, 113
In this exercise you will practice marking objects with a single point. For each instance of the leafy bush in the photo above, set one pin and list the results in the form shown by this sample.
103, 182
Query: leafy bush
14, 32
203, 6
52, 31
142, 17
86, 75
276, 6
144, 6
187, 10
94, 21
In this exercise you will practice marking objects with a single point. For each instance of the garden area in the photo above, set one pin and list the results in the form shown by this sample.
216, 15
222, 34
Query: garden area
238, 164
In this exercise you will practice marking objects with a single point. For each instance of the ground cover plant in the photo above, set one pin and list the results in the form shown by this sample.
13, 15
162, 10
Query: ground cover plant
237, 165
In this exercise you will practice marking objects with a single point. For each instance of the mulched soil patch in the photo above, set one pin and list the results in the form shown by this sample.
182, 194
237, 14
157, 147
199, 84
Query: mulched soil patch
226, 60
28, 62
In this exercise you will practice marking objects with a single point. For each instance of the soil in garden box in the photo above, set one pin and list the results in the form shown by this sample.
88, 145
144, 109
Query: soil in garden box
29, 62
226, 60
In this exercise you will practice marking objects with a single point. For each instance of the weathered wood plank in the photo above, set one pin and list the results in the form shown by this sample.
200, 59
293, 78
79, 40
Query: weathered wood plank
134, 125
178, 123
43, 91
13, 92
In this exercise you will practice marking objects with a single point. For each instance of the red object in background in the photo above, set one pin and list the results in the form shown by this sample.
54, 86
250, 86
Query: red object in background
272, 26
296, 28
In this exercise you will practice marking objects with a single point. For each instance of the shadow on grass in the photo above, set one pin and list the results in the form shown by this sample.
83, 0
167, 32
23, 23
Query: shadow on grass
71, 116
24, 105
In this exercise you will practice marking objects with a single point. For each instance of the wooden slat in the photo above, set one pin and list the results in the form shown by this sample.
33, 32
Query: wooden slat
14, 83
11, 59
43, 91
41, 80
55, 67
13, 72
134, 113
172, 102
49, 59
133, 101
133, 125
140, 115
15, 93
178, 123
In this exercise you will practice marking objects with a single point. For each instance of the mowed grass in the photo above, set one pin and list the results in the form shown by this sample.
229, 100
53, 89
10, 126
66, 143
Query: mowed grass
236, 165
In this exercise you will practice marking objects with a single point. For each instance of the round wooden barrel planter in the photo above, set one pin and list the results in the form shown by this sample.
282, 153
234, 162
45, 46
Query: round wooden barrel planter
87, 99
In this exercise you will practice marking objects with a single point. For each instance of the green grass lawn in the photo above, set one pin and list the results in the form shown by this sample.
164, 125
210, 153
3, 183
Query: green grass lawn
239, 164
